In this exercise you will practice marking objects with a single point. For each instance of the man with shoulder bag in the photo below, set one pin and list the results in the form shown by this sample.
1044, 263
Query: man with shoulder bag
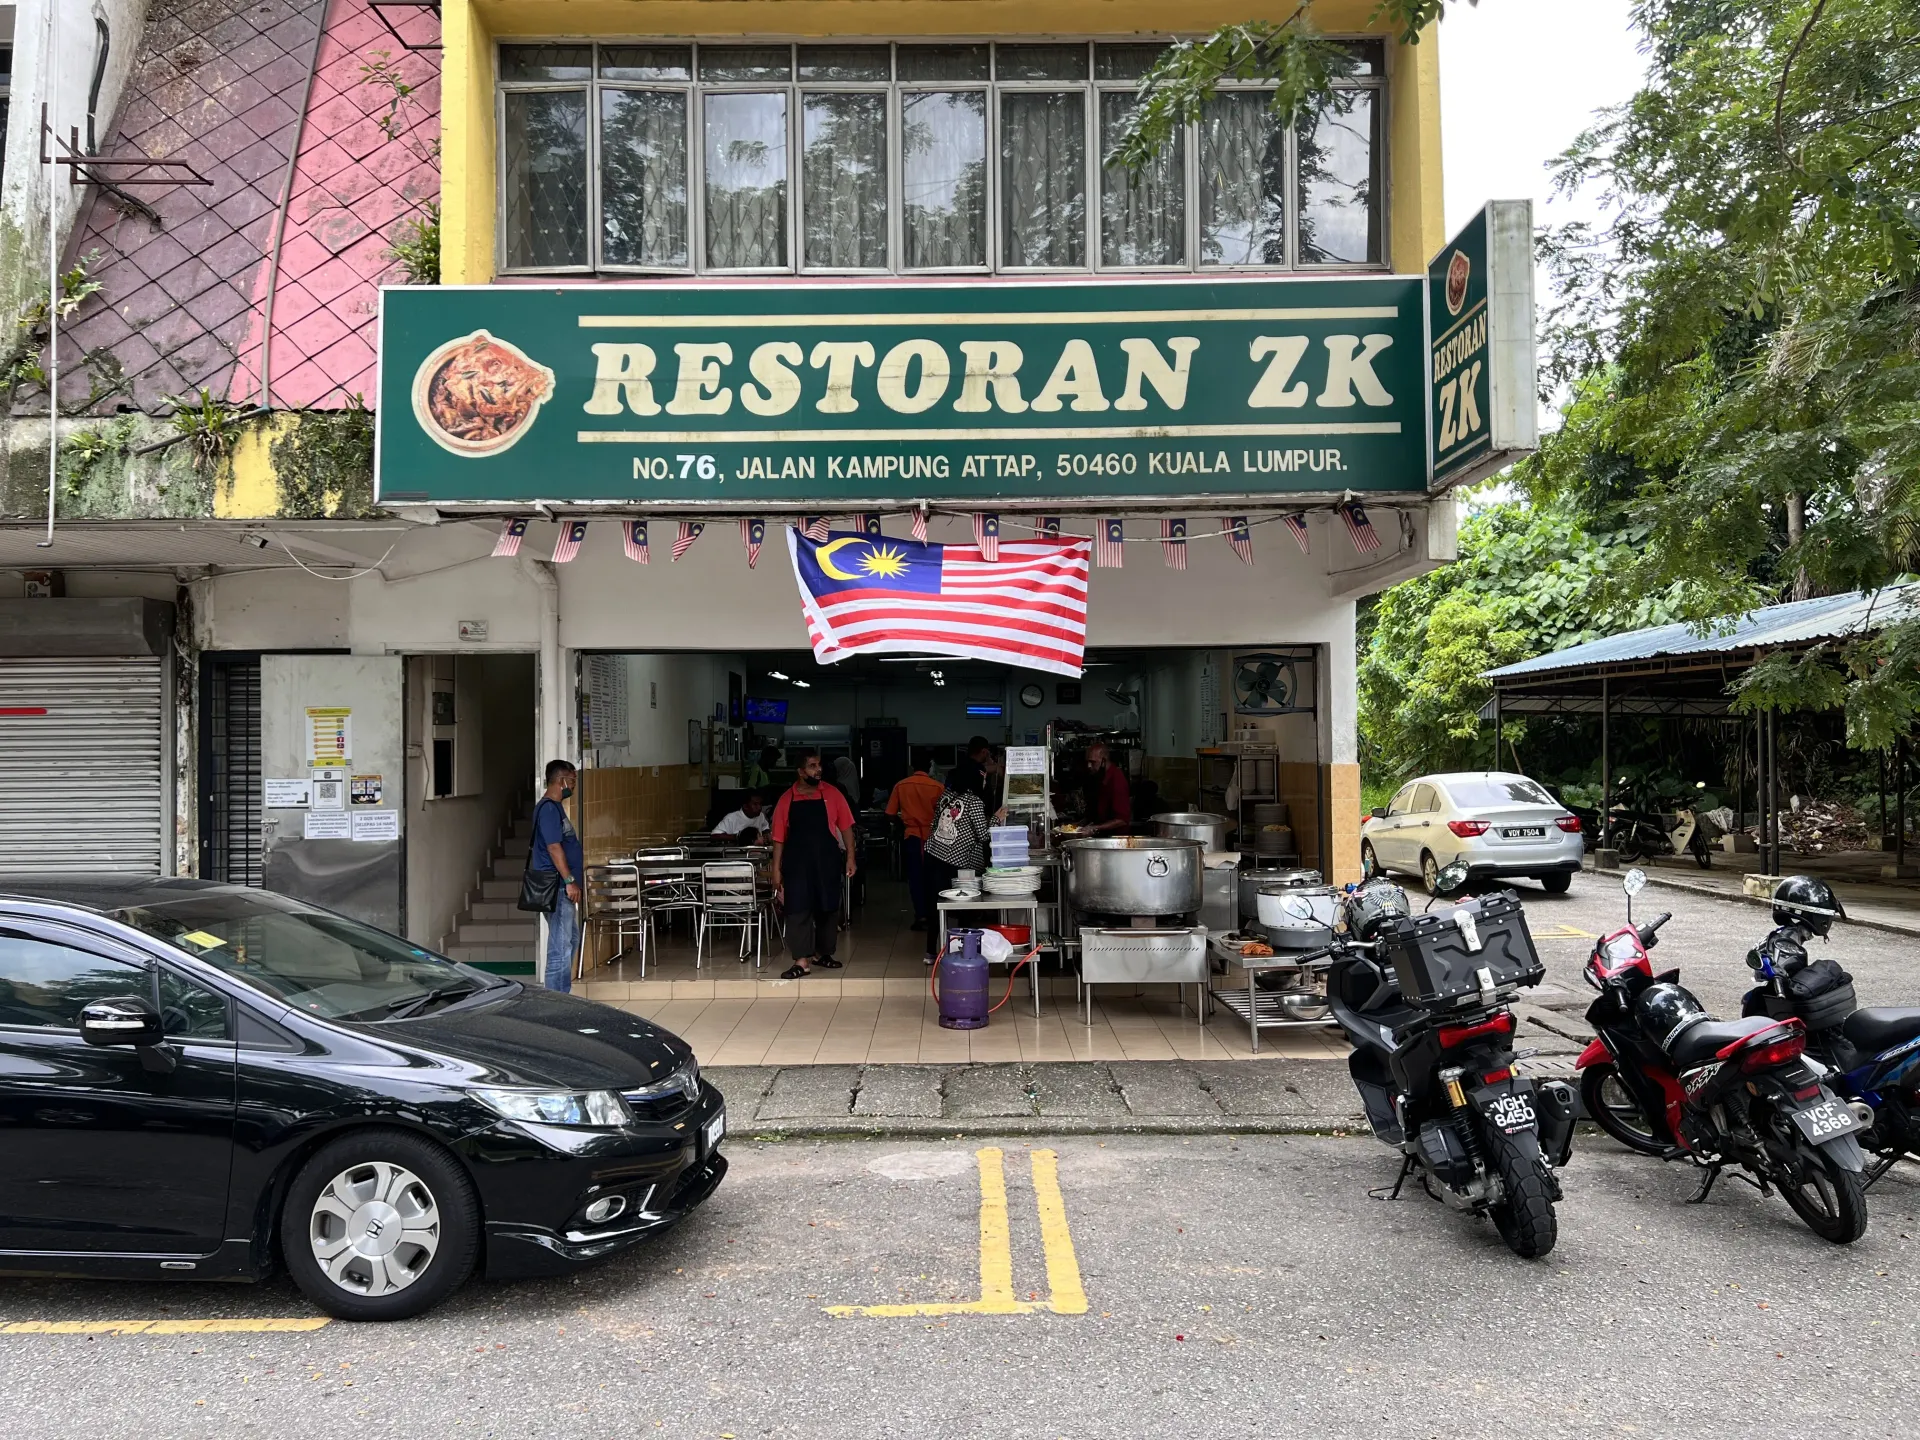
555, 863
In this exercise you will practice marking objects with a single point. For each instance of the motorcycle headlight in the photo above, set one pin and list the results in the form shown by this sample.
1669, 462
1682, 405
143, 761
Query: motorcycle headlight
683, 1083
588, 1107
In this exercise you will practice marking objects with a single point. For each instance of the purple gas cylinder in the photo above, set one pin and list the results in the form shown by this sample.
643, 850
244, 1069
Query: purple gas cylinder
963, 982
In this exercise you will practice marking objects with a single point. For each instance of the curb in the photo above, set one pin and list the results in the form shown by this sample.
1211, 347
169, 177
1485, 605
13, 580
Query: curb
856, 1127
1695, 888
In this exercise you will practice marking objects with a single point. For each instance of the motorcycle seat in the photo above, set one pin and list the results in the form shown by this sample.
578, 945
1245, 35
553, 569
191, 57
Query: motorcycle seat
1882, 1027
1699, 1043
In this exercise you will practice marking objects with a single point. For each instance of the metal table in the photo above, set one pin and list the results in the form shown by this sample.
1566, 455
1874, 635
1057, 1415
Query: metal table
1033, 905
1262, 1010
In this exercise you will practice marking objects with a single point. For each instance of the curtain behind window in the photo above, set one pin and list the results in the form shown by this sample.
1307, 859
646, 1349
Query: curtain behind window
643, 177
1143, 217
843, 181
943, 174
1243, 182
746, 156
1339, 201
1043, 179
545, 178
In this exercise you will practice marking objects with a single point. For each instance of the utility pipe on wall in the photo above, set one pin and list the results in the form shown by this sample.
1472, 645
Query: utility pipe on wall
53, 271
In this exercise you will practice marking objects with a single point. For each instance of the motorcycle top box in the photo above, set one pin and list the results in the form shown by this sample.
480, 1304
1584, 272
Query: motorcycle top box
1446, 960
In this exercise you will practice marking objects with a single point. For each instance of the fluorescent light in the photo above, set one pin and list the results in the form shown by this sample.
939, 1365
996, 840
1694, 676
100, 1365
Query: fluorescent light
775, 675
979, 709
800, 684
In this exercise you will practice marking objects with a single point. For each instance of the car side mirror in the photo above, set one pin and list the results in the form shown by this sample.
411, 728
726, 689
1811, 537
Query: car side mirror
124, 1020
1451, 880
1379, 812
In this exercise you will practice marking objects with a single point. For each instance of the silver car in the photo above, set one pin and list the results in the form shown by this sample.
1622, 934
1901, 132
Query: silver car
1499, 825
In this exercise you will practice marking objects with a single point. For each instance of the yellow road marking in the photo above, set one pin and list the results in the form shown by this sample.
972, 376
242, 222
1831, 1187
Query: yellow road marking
160, 1327
1563, 932
1069, 1297
1066, 1294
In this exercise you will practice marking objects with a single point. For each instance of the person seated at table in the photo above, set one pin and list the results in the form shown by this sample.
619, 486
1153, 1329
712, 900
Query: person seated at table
748, 824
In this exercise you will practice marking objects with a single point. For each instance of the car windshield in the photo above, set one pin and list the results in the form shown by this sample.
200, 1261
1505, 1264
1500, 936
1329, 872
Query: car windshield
310, 959
1476, 791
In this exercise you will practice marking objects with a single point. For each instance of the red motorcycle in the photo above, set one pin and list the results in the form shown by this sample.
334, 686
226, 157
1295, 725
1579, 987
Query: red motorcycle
1664, 1077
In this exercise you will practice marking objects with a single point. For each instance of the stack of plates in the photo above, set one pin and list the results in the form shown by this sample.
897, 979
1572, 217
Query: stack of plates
1269, 812
1012, 880
1273, 839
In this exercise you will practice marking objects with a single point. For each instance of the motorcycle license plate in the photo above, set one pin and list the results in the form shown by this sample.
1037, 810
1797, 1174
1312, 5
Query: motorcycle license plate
1525, 832
1826, 1120
1511, 1113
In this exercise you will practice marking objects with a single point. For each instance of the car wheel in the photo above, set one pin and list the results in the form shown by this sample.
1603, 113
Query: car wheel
380, 1225
1429, 872
1369, 863
1557, 884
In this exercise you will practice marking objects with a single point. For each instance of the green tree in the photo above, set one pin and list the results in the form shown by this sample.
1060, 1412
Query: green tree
1530, 578
1744, 333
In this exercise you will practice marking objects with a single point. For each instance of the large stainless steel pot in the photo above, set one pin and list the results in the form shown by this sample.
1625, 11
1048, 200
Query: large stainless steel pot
1132, 875
1209, 830
1252, 882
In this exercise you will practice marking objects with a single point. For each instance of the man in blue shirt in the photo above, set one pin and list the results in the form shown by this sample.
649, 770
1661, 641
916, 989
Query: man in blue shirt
556, 846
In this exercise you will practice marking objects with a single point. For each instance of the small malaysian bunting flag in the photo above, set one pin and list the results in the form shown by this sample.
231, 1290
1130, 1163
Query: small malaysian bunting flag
572, 532
986, 534
814, 527
1111, 544
1239, 536
1365, 537
919, 526
1297, 527
510, 535
688, 533
633, 539
1050, 526
867, 523
1173, 543
752, 533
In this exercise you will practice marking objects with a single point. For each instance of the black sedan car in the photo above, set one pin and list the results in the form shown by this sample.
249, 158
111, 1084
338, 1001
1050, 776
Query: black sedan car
203, 1081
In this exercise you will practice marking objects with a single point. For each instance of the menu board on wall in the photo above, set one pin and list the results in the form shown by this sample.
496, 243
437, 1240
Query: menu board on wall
606, 700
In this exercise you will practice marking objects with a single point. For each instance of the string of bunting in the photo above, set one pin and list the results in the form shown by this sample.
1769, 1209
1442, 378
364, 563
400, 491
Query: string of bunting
1108, 539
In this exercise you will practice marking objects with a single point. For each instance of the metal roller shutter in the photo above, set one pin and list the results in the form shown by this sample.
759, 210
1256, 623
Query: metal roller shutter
233, 771
82, 747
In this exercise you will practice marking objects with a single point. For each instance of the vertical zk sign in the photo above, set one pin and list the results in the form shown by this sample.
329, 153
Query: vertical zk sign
1480, 328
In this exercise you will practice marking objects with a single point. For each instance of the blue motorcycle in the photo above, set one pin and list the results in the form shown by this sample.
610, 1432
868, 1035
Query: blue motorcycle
1875, 1053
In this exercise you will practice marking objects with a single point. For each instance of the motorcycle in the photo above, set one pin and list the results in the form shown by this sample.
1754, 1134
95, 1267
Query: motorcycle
1874, 1053
1637, 836
1665, 1078
1427, 1003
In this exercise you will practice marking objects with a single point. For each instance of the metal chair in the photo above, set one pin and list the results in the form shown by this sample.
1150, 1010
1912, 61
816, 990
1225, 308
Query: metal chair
613, 898
729, 899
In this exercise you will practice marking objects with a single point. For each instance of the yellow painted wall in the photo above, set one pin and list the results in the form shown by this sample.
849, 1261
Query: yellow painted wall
246, 487
470, 28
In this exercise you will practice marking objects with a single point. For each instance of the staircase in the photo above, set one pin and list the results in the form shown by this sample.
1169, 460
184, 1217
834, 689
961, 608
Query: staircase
494, 933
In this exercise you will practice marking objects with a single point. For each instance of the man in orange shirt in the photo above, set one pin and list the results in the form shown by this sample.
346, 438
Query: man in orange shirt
913, 800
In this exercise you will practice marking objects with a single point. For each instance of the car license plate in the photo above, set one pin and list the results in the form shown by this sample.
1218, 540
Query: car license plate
1525, 832
716, 1127
1826, 1120
1511, 1113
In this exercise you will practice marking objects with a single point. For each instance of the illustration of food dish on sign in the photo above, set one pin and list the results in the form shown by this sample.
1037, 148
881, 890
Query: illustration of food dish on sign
478, 395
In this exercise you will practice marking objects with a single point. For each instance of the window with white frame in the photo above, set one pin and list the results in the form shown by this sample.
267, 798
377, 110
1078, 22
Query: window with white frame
773, 158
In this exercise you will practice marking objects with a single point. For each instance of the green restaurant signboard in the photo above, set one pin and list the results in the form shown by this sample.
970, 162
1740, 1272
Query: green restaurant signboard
1480, 324
730, 395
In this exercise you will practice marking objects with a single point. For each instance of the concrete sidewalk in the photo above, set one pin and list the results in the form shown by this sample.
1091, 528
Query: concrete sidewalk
1082, 1097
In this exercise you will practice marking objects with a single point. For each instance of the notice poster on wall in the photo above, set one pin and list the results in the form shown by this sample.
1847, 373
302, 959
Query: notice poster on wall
374, 825
290, 794
327, 825
365, 790
331, 731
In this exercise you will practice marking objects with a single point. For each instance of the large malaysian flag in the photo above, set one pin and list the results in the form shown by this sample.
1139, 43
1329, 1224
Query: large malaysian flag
865, 592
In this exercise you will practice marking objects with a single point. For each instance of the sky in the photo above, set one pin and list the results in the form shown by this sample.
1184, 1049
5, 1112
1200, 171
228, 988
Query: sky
1519, 79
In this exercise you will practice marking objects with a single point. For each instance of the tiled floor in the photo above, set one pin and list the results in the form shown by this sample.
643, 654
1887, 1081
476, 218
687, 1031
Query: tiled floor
878, 1009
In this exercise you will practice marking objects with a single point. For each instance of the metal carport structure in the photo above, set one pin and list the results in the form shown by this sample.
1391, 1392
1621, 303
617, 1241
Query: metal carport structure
1686, 670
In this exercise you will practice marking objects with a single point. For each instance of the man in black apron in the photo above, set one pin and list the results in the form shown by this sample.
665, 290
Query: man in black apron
813, 857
